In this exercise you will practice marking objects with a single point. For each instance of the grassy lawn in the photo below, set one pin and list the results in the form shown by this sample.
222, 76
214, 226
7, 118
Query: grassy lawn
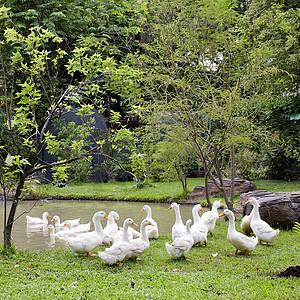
159, 191
208, 273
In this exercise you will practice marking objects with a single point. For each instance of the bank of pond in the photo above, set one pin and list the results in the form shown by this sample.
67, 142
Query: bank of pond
126, 229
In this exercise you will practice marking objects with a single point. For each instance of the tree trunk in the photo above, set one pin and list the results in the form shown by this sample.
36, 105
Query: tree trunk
232, 173
185, 181
10, 221
220, 185
181, 177
206, 189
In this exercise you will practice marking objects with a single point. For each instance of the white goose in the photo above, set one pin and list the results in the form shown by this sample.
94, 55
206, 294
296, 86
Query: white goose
178, 228
57, 224
132, 234
56, 234
111, 228
209, 218
151, 230
118, 251
86, 242
261, 229
245, 224
182, 245
73, 222
198, 229
70, 232
70, 223
51, 230
77, 229
240, 241
35, 221
141, 244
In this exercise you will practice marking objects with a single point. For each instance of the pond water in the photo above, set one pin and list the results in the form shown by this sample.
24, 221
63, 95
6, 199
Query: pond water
33, 239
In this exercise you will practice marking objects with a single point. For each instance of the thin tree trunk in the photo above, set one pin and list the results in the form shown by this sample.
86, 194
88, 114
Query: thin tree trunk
220, 184
181, 177
5, 210
206, 188
10, 221
232, 173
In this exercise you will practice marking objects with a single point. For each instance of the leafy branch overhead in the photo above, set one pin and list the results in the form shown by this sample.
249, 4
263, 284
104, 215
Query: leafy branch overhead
40, 83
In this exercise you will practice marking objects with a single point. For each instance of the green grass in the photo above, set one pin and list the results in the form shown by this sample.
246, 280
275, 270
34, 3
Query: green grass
278, 185
158, 192
61, 274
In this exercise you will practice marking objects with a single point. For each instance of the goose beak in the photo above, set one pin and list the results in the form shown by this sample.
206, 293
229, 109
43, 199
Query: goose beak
247, 202
134, 224
116, 220
142, 209
151, 224
202, 210
52, 220
170, 207
222, 214
49, 216
105, 217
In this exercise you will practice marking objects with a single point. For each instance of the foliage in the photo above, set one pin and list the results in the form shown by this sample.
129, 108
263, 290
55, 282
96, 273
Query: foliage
194, 61
249, 164
272, 31
8, 252
67, 136
171, 161
296, 228
38, 85
113, 23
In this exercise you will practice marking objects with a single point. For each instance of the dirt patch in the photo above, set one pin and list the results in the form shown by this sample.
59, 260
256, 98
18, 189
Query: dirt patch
291, 272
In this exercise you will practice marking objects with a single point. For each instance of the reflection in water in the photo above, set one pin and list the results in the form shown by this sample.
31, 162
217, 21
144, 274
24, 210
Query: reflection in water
40, 229
29, 237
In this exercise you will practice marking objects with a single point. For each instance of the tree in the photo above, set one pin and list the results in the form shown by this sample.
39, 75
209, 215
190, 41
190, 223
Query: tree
37, 86
193, 62
113, 22
171, 161
271, 33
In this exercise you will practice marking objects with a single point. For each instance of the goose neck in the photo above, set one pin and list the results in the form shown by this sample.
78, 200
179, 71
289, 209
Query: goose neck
125, 233
255, 211
149, 214
97, 225
144, 235
196, 216
231, 226
177, 215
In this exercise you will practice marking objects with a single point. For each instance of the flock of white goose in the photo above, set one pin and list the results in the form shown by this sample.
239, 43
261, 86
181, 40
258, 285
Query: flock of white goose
126, 242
